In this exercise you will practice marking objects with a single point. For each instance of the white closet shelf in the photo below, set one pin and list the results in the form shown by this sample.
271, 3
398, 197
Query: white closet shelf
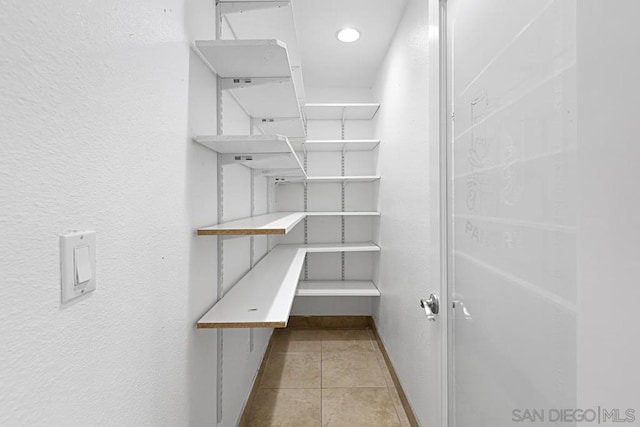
272, 223
330, 288
245, 144
266, 152
336, 145
263, 297
338, 247
258, 74
241, 6
276, 21
246, 58
336, 213
330, 179
338, 111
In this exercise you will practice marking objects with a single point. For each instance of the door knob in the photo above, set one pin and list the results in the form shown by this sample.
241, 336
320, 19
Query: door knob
431, 306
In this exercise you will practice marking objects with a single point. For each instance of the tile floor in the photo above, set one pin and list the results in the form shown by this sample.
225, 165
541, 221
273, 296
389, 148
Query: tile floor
326, 377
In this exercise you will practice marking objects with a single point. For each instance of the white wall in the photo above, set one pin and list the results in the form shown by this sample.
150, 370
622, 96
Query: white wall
409, 268
609, 212
95, 136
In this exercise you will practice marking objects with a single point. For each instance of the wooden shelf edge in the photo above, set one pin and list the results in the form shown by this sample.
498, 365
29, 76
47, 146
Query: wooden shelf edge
242, 232
245, 226
221, 325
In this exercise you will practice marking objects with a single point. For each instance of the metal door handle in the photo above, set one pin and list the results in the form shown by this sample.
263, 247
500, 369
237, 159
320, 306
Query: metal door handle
431, 306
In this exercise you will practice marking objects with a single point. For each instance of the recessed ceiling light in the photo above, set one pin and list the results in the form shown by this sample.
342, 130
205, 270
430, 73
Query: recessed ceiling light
348, 35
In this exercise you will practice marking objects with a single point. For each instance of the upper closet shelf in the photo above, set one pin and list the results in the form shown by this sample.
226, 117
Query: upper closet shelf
258, 75
359, 111
246, 58
272, 154
273, 223
276, 21
336, 144
241, 144
242, 6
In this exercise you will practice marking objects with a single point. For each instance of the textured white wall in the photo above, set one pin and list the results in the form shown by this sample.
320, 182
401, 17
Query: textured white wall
408, 268
94, 136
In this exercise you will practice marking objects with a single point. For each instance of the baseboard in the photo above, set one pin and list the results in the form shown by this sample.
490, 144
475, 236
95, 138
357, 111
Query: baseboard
403, 397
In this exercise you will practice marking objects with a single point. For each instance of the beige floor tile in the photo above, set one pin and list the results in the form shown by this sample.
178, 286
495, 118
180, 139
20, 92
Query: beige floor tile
286, 408
354, 407
297, 340
292, 370
347, 340
351, 369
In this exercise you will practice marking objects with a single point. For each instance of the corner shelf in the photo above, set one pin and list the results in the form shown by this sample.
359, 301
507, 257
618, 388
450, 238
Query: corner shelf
337, 288
273, 223
339, 111
259, 76
264, 296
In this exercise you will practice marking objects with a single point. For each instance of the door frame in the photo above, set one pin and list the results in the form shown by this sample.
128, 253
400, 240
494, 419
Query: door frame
440, 43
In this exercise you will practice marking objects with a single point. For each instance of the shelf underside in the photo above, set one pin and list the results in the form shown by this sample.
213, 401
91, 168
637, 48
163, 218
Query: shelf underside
338, 111
272, 154
336, 145
276, 22
259, 76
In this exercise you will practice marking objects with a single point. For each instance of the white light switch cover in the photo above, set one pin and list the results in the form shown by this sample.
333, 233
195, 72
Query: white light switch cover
77, 264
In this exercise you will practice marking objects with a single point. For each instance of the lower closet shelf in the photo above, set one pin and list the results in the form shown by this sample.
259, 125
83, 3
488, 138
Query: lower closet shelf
264, 296
342, 288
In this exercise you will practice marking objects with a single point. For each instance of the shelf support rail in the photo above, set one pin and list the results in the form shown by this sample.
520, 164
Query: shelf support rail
306, 229
342, 195
219, 243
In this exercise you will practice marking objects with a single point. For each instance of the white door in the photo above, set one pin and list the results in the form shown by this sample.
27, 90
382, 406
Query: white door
512, 210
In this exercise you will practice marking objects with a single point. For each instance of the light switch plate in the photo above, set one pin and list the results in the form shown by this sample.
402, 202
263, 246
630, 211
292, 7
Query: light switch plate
74, 263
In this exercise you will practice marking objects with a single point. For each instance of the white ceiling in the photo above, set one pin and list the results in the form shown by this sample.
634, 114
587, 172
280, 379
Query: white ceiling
327, 62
